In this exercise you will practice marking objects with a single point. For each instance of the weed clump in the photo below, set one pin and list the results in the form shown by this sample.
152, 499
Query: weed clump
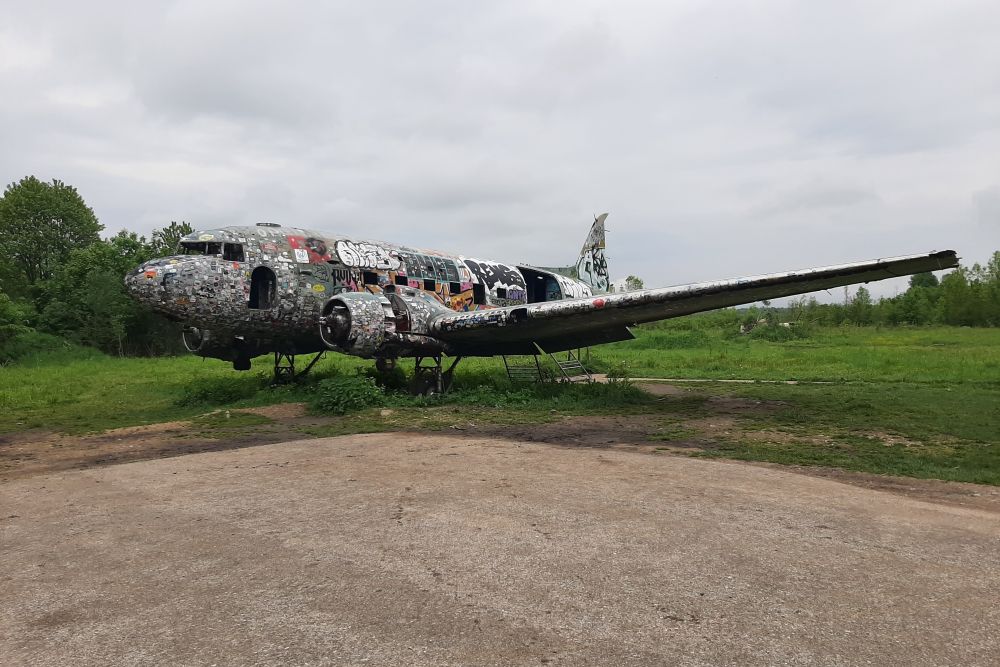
346, 393
221, 390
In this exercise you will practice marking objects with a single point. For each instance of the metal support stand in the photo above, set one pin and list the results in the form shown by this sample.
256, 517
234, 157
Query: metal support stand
284, 367
430, 378
524, 372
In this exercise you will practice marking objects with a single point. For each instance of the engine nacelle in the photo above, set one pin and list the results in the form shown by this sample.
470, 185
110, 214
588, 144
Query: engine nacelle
357, 323
371, 325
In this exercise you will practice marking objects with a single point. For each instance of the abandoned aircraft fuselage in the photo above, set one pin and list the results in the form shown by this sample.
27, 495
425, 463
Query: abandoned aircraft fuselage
244, 291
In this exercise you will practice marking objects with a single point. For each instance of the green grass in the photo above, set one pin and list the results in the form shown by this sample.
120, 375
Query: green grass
935, 355
930, 431
938, 389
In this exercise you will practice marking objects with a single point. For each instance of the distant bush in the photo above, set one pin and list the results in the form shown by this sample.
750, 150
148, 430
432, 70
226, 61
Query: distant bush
778, 334
345, 393
30, 343
221, 390
662, 338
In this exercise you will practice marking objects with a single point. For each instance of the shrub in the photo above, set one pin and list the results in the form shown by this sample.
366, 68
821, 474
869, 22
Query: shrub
345, 393
30, 344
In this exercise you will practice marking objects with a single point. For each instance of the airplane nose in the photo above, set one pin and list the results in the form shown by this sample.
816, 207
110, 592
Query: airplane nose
142, 282
149, 282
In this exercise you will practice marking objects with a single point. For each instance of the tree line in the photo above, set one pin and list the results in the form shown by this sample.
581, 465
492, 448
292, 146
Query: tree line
61, 281
966, 296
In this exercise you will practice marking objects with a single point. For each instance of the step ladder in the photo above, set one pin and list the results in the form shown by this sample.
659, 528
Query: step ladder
571, 368
522, 372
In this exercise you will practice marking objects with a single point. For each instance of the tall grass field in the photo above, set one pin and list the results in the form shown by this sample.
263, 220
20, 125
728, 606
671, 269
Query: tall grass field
936, 388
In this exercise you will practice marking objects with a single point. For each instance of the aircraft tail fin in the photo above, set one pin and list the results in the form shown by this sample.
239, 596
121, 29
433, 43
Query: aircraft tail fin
591, 266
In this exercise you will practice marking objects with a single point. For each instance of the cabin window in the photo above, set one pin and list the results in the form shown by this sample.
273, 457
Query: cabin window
501, 292
233, 252
429, 284
201, 248
402, 280
369, 278
478, 293
263, 289
454, 288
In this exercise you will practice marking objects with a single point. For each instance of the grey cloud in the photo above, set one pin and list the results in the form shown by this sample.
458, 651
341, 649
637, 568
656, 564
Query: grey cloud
723, 139
987, 204
818, 196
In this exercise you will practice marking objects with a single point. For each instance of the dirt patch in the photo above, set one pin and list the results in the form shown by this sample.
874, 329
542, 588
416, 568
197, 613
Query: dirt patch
418, 549
737, 405
37, 452
660, 389
630, 431
279, 411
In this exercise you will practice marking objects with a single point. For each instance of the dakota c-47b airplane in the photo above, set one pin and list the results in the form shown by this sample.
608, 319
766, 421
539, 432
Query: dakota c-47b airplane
246, 291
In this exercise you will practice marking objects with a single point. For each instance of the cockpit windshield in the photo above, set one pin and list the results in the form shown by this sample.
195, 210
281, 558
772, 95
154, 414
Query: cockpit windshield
231, 252
200, 248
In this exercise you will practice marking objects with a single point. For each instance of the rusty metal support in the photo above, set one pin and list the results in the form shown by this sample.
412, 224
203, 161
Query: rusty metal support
431, 378
284, 367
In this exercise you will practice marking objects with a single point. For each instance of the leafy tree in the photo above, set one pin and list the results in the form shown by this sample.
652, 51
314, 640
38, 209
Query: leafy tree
957, 297
165, 239
633, 283
860, 309
88, 303
13, 319
926, 279
41, 223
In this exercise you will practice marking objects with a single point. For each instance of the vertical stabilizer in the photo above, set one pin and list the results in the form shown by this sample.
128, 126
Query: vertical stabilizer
591, 266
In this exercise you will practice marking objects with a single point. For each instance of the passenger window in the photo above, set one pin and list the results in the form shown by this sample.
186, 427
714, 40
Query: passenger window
402, 280
501, 292
369, 278
429, 285
454, 288
233, 252
478, 293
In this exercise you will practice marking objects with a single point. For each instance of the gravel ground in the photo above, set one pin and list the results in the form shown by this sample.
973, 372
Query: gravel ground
400, 549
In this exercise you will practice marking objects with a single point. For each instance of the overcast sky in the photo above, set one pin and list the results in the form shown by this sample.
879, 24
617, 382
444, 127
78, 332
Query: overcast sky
725, 139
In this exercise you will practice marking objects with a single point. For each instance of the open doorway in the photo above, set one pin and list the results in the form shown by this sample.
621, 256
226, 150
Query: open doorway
263, 288
540, 286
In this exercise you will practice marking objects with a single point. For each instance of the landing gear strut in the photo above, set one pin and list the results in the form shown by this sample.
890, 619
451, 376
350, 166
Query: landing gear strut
284, 367
429, 376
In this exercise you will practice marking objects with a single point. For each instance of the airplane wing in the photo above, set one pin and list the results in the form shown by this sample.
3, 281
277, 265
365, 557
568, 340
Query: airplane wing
605, 318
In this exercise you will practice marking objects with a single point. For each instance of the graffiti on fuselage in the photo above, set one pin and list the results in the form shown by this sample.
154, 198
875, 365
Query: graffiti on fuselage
571, 289
593, 268
493, 274
366, 255
425, 266
309, 249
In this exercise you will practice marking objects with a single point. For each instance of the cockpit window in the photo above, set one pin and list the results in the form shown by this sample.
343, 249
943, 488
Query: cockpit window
201, 248
233, 252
